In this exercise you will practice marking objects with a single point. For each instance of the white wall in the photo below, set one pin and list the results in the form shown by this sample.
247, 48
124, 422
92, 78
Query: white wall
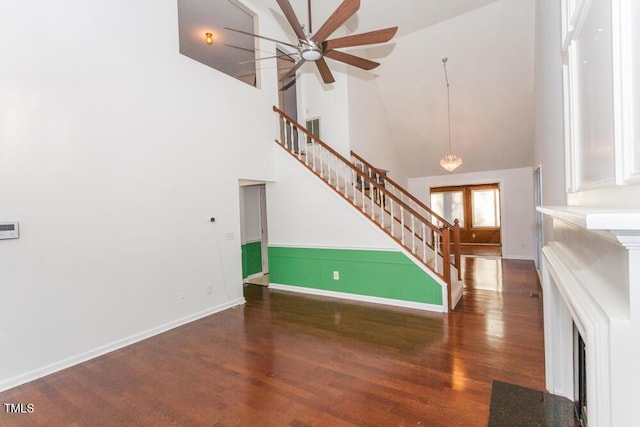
304, 212
369, 130
114, 153
516, 200
352, 115
549, 151
329, 102
588, 276
490, 68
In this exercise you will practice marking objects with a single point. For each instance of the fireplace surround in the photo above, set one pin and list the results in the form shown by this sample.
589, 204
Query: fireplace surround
591, 279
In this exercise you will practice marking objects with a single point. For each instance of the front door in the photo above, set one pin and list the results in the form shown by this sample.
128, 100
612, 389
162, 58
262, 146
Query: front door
477, 208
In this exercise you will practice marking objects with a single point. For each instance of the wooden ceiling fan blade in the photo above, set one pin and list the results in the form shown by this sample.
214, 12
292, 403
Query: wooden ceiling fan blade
293, 70
261, 37
347, 58
345, 11
325, 72
372, 37
289, 13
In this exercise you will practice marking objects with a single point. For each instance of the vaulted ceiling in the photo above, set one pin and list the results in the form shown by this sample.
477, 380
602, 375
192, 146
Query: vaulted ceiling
408, 15
490, 50
490, 66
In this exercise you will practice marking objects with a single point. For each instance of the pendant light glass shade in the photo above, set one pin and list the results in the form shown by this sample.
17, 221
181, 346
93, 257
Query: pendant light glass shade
450, 162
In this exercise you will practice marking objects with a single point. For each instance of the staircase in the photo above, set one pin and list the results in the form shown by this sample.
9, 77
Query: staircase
409, 199
427, 237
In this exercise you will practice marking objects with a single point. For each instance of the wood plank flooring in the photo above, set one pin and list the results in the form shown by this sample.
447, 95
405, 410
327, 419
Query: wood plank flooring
286, 359
481, 250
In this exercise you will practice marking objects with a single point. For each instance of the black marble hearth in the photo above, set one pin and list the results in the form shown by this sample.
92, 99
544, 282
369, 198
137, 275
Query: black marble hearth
512, 405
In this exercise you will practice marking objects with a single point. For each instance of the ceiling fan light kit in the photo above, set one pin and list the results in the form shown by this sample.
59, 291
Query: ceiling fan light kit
314, 47
311, 52
450, 161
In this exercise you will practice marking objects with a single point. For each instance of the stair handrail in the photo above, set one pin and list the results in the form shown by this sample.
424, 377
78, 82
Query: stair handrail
401, 189
360, 173
455, 227
443, 233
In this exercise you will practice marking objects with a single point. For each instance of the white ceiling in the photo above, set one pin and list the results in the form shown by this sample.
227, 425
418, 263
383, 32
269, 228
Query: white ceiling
490, 64
197, 17
407, 15
489, 44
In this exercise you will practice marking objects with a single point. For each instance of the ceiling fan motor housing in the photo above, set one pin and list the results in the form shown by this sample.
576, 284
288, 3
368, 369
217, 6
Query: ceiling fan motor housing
310, 51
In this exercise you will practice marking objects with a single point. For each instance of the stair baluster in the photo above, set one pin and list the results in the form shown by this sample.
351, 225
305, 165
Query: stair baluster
417, 205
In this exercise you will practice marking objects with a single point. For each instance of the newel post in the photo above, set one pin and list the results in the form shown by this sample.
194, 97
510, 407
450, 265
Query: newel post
446, 261
456, 247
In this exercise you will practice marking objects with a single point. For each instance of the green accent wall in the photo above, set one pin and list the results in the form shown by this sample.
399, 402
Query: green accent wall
251, 259
383, 274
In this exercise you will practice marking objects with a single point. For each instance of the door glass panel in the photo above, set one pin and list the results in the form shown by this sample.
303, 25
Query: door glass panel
486, 208
449, 205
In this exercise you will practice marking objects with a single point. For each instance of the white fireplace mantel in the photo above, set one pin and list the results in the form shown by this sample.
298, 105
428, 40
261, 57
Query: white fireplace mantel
590, 277
617, 221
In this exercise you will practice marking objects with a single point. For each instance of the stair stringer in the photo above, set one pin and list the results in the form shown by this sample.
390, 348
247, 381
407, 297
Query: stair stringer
305, 212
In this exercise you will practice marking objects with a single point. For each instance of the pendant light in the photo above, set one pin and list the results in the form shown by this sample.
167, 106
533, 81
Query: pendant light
450, 161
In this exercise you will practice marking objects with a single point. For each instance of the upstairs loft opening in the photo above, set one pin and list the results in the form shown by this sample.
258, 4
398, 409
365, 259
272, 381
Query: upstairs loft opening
231, 53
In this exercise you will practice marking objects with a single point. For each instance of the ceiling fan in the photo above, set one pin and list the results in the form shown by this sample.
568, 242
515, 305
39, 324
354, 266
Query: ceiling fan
315, 47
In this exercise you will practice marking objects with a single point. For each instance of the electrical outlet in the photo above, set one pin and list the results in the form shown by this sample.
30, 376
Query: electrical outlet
209, 290
336, 275
182, 298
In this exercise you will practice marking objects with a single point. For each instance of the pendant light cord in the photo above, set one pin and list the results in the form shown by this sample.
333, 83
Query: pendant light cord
446, 78
450, 161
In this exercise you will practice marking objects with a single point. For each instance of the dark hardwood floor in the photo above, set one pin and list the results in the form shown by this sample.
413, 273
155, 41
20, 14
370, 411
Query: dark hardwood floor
481, 250
286, 359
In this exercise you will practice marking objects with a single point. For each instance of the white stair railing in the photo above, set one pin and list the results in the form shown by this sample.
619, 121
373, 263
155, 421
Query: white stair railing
427, 242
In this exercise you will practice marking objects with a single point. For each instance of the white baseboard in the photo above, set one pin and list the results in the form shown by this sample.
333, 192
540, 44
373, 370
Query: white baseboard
115, 345
357, 297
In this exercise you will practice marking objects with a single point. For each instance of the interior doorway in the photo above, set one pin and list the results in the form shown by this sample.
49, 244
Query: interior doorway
254, 234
